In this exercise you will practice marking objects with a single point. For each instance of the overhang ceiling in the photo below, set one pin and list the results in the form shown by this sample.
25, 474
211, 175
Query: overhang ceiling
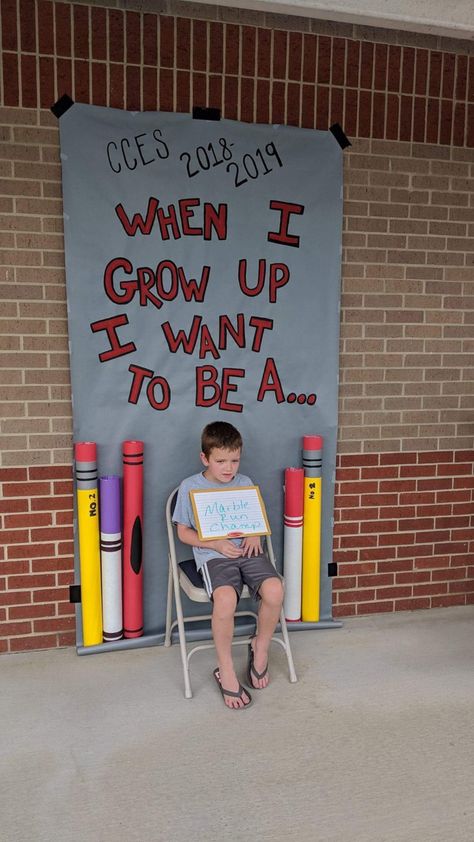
452, 19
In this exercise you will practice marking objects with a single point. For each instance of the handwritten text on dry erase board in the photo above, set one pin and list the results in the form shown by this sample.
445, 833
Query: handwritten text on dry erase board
222, 512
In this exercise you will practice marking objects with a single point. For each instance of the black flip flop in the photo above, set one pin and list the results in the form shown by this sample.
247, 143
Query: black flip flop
236, 694
251, 671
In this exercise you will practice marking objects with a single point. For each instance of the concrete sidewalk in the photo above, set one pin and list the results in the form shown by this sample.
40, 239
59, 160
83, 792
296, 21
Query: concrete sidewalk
373, 744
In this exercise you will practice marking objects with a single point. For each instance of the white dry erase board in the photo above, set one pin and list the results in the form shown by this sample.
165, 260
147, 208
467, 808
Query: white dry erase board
230, 513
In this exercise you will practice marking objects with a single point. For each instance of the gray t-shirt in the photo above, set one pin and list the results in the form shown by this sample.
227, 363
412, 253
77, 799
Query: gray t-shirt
183, 511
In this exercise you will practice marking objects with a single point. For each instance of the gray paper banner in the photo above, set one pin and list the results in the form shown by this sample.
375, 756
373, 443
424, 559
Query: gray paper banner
203, 283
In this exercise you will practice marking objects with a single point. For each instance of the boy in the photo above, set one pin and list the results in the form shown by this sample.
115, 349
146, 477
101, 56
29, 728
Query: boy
227, 564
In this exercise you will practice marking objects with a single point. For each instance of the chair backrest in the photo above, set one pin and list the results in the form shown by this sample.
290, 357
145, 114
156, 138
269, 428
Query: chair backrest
170, 505
173, 544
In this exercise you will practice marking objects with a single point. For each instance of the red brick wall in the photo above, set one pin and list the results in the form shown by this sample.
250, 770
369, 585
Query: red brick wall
404, 530
37, 563
403, 535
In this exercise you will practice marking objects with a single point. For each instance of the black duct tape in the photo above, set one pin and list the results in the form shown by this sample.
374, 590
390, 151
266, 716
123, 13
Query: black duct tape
338, 133
62, 105
332, 568
206, 113
74, 593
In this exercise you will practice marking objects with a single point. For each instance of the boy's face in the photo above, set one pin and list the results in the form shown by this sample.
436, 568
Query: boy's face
222, 464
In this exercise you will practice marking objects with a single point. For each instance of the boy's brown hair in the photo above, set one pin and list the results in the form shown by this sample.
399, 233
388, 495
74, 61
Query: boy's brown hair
220, 434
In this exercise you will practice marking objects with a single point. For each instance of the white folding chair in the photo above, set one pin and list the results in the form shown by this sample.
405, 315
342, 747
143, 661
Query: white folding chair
183, 575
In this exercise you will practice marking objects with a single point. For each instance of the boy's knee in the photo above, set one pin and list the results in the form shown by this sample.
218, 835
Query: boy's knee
271, 591
224, 601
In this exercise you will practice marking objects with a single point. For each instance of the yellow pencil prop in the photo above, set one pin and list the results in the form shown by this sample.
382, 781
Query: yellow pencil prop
312, 460
89, 541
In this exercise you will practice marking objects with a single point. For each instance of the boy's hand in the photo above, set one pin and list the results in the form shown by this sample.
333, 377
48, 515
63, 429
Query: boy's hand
251, 546
227, 548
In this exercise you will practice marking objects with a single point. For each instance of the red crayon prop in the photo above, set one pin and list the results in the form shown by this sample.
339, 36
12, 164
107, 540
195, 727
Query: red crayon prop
132, 538
293, 541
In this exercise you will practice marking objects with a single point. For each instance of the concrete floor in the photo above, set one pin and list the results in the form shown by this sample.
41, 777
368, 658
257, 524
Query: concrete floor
373, 744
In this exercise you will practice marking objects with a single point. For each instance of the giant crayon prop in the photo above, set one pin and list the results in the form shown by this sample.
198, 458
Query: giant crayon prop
312, 462
111, 557
85, 453
293, 541
132, 538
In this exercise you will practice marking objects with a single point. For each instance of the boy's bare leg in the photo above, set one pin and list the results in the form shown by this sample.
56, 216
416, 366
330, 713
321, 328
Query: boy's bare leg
271, 592
224, 605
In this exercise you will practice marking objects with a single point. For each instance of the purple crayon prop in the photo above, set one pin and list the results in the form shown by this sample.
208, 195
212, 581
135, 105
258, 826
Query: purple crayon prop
111, 557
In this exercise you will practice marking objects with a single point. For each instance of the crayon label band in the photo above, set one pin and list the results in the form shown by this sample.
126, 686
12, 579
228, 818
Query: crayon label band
110, 546
110, 636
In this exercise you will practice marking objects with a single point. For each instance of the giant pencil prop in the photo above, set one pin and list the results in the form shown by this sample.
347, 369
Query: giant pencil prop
312, 461
89, 551
111, 557
293, 541
132, 538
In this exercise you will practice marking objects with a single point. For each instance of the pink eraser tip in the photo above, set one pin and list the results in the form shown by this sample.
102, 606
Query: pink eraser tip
312, 442
85, 451
132, 447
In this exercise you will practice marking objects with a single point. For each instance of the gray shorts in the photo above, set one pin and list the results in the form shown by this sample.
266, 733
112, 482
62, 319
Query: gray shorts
238, 572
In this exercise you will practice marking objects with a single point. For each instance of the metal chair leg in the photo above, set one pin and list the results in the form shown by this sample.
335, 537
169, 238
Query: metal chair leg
188, 693
289, 654
169, 606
